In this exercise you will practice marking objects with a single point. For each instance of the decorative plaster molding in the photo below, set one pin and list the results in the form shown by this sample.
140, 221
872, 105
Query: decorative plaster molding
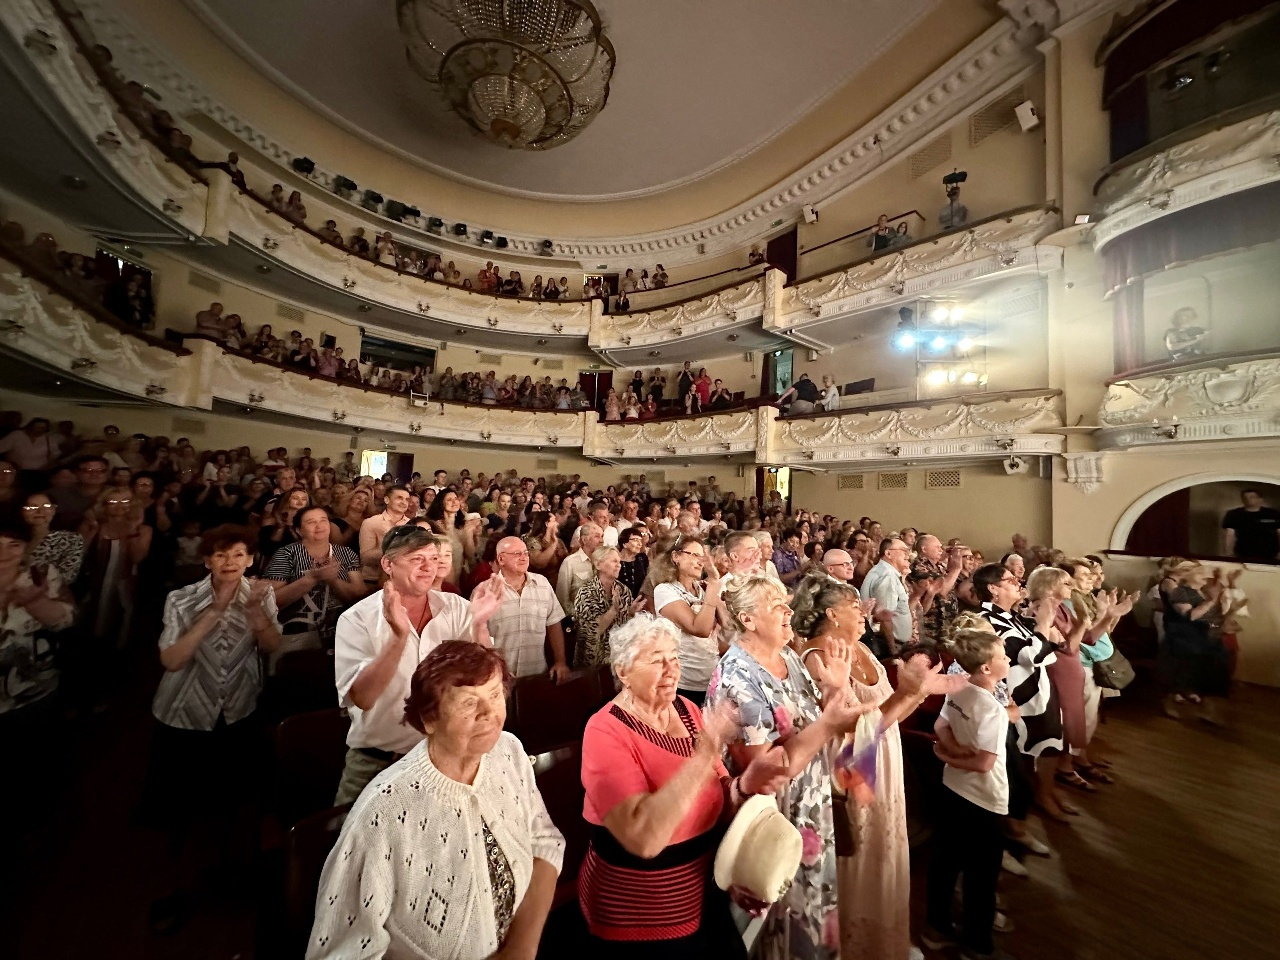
716, 311
719, 434
1219, 402
1084, 470
1005, 245
49, 329
344, 271
162, 185
1003, 52
1216, 164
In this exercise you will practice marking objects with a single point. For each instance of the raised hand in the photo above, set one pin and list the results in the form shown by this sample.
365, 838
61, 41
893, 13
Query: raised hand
769, 772
1043, 611
486, 599
831, 670
394, 610
937, 683
719, 725
842, 711
638, 605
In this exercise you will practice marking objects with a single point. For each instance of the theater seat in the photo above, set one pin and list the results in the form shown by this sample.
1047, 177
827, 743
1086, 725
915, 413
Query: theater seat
559, 777
306, 849
303, 681
547, 715
310, 752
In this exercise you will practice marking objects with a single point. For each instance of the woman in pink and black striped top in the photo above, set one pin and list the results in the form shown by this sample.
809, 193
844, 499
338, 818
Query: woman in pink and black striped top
659, 798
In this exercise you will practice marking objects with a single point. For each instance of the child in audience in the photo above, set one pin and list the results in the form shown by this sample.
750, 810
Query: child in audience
976, 799
188, 565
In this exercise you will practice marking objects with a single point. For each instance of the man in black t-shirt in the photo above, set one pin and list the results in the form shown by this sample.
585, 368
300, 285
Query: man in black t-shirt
1252, 532
806, 394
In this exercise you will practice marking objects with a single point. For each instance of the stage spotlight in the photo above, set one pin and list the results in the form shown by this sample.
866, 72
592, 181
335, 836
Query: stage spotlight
938, 343
965, 345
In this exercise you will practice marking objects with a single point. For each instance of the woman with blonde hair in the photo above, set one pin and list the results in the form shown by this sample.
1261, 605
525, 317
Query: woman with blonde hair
602, 603
777, 701
875, 869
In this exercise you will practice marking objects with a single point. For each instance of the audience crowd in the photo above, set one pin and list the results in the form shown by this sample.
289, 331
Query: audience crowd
755, 648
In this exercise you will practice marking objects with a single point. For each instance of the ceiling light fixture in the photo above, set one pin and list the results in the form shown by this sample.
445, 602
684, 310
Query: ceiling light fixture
528, 75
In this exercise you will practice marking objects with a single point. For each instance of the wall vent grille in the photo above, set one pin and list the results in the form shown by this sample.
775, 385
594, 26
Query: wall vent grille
1030, 303
891, 481
549, 364
546, 463
202, 281
494, 358
929, 156
995, 116
850, 481
290, 313
943, 480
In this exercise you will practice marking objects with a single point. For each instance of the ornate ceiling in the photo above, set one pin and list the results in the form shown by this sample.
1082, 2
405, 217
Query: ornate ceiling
698, 86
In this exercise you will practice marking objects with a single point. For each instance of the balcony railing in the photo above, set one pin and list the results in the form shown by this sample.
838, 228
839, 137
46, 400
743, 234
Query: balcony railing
1209, 398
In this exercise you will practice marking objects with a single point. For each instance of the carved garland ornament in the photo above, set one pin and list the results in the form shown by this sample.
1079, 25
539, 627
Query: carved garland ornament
962, 420
1240, 388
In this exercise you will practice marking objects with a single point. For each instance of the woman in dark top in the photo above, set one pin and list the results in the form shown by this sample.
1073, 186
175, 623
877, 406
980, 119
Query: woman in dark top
635, 563
637, 383
1195, 662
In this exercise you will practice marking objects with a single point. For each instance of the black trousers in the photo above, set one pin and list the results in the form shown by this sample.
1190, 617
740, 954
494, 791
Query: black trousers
969, 842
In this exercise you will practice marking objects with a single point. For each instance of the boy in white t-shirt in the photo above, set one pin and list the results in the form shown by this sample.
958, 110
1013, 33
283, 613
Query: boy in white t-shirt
976, 799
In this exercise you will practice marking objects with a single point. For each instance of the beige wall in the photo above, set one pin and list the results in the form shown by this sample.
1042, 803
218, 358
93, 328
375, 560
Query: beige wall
1086, 137
984, 512
1006, 170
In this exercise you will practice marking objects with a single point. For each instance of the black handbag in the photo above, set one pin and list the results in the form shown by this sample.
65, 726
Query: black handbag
1114, 673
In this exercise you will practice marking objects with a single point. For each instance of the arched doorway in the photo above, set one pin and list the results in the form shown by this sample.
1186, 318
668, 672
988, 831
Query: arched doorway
1183, 516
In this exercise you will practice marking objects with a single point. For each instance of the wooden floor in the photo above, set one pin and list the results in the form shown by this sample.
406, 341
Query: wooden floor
1181, 859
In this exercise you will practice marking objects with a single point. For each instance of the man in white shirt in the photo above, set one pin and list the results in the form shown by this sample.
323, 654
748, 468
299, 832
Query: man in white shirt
529, 618
348, 469
577, 568
441, 482
839, 564
374, 529
381, 640
765, 541
630, 518
33, 447
884, 584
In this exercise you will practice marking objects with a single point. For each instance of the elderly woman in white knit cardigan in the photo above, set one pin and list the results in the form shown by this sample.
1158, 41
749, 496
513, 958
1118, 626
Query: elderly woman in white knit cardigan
448, 853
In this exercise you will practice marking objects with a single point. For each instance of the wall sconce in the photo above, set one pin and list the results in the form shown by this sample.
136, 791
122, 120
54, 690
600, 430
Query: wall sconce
486, 435
1160, 201
339, 416
423, 307
415, 428
269, 244
807, 454
678, 331
156, 390
1008, 258
620, 451
171, 206
1169, 431
892, 449
898, 288
626, 341
108, 140
255, 397
1006, 443
557, 327
347, 283
553, 440
83, 363
492, 321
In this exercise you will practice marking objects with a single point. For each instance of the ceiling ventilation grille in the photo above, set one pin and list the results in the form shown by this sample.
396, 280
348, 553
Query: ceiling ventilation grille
1027, 304
494, 358
184, 426
942, 480
850, 481
546, 463
549, 364
202, 281
891, 481
925, 159
290, 313
995, 116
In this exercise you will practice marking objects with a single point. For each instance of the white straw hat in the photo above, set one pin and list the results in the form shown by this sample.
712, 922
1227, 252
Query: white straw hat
760, 851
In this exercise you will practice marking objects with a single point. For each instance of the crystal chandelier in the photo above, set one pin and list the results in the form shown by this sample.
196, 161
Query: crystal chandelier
525, 73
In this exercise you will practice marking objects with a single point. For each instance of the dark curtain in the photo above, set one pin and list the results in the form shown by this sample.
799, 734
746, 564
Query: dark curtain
1164, 529
1128, 327
1205, 230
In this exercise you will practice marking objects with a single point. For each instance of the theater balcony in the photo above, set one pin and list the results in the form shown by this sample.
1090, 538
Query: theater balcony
726, 435
1011, 426
1210, 398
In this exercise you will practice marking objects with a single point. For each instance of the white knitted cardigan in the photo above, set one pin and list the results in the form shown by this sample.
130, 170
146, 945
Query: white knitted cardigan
408, 876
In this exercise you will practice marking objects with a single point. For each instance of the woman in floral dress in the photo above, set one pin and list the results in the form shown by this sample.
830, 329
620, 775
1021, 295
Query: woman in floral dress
778, 701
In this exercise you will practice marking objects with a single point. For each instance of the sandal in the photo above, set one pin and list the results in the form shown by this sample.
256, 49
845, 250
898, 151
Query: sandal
1074, 779
1095, 773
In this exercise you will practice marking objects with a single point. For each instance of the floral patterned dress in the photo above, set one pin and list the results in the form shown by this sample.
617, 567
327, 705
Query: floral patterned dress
804, 924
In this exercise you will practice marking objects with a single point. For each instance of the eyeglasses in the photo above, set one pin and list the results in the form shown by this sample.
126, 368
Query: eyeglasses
1014, 580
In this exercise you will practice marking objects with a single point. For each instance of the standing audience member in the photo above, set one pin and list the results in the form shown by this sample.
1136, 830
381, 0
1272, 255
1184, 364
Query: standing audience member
381, 640
885, 585
529, 618
682, 596
602, 604
374, 529
36, 601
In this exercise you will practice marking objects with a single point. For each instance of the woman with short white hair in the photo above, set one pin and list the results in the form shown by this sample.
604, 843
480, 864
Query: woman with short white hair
603, 604
658, 799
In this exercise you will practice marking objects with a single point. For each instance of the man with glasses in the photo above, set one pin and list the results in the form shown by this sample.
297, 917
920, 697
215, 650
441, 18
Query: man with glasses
92, 473
529, 618
577, 568
884, 584
373, 530
381, 640
839, 565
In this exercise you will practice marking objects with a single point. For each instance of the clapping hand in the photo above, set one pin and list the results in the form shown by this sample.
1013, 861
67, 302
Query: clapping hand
831, 670
638, 605
255, 605
768, 772
719, 725
394, 610
325, 570
841, 711
917, 678
486, 599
